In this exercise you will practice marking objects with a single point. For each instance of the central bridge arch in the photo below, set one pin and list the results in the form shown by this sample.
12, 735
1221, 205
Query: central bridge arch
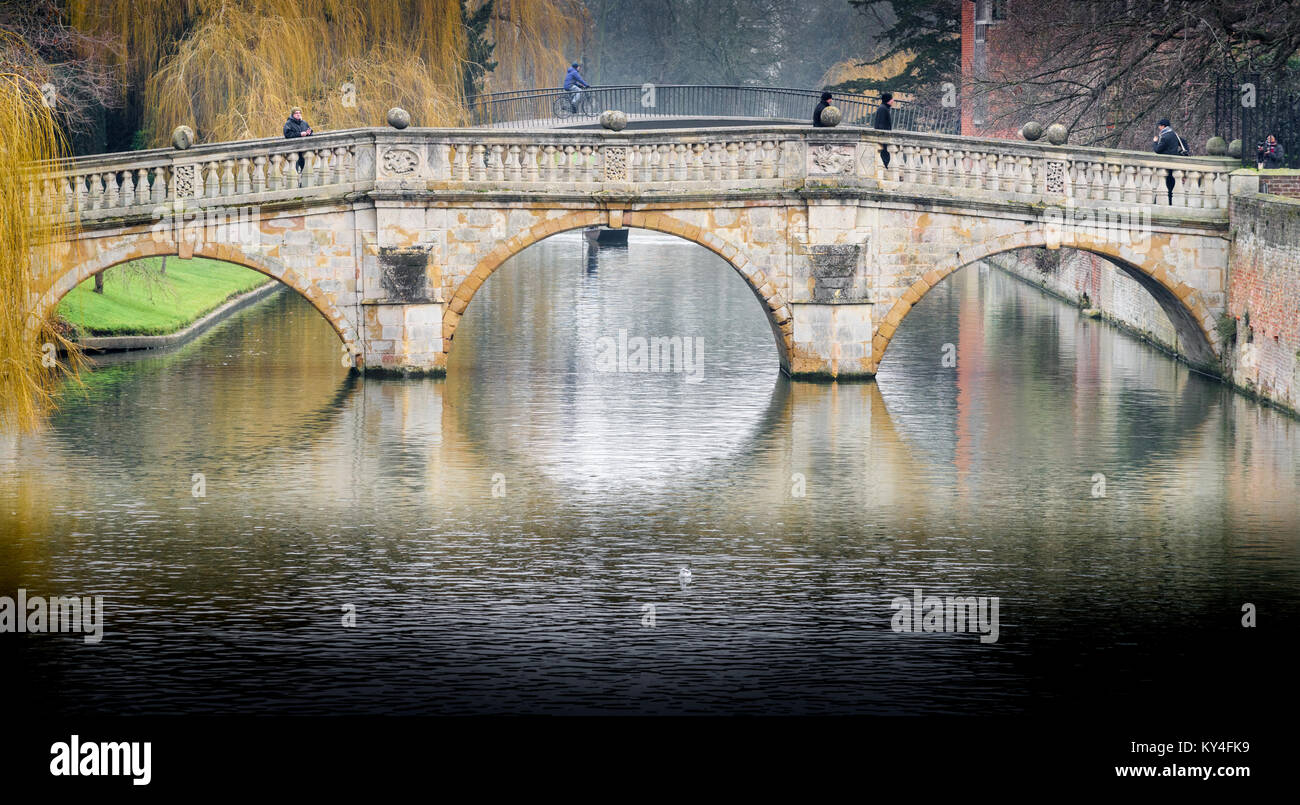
774, 306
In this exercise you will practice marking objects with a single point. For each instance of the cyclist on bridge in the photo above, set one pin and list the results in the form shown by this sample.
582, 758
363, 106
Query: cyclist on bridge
574, 82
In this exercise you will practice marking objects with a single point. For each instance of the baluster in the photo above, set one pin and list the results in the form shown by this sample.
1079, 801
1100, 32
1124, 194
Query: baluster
681, 161
307, 177
1196, 193
513, 167
1215, 185
733, 161
498, 164
257, 180
227, 187
244, 180
348, 164
126, 197
47, 197
67, 196
696, 172
1130, 183
663, 171
323, 167
546, 170
1114, 188
461, 162
925, 166
478, 163
530, 162
747, 167
159, 186
897, 161
275, 178
1180, 188
213, 188
95, 198
114, 191
1026, 185
1095, 190
82, 194
292, 178
714, 164
588, 166
1146, 192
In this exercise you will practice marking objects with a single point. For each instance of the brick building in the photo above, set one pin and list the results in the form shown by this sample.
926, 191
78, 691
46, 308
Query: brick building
982, 48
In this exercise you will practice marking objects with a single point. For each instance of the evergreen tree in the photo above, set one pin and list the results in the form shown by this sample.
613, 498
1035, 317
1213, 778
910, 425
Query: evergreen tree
928, 35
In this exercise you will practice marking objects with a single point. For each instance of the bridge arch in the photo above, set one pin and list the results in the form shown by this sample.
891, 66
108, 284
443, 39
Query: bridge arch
272, 267
1187, 311
774, 305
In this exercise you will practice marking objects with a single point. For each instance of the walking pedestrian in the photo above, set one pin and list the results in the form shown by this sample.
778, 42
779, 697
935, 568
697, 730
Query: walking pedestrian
821, 107
1167, 141
884, 121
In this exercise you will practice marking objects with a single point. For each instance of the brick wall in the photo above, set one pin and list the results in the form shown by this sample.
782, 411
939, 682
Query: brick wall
1069, 274
1280, 182
1264, 290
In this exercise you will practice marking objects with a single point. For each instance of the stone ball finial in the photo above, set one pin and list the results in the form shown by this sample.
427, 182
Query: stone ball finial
1216, 146
182, 137
399, 118
1234, 149
1057, 134
613, 119
1031, 131
831, 116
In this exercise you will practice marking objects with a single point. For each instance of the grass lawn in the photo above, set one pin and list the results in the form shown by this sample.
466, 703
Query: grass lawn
138, 301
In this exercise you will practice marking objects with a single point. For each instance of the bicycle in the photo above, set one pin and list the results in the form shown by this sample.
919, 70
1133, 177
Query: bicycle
562, 106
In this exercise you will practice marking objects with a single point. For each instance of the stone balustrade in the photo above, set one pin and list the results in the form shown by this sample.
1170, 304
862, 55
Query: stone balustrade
334, 165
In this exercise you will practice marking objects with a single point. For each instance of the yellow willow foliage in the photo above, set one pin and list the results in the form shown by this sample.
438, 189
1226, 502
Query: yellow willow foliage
247, 64
143, 30
28, 255
850, 70
534, 42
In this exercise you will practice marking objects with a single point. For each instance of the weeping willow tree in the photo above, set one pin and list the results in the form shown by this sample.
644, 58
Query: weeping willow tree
535, 41
30, 370
232, 69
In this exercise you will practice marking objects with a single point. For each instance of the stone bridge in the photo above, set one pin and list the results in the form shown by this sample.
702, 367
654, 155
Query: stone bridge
390, 233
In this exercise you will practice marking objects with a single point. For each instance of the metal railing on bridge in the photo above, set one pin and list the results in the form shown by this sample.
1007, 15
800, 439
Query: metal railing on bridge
532, 108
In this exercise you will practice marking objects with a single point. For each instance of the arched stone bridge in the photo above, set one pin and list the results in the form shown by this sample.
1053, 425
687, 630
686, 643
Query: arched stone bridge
391, 233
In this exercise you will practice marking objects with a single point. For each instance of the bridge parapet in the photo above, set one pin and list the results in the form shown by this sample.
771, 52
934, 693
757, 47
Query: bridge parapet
764, 159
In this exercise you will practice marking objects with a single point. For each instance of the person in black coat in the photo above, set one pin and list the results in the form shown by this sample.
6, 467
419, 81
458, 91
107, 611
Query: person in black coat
884, 121
1167, 141
821, 107
295, 126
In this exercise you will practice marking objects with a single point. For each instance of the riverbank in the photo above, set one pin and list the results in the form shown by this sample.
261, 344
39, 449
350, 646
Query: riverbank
143, 308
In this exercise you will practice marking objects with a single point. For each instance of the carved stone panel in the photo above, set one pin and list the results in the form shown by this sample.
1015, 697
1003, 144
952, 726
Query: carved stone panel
185, 178
829, 159
404, 273
1055, 177
400, 162
615, 163
833, 268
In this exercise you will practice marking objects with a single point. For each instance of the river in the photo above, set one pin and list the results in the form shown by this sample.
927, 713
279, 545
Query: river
511, 539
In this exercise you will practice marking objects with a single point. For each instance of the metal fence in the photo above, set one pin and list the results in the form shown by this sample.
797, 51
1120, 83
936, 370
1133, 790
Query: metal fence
540, 107
1252, 106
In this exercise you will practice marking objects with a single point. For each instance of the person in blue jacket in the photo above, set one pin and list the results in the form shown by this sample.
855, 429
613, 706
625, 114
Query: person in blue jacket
574, 82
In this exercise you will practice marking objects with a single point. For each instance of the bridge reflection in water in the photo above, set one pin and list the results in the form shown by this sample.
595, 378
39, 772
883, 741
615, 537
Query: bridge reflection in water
971, 480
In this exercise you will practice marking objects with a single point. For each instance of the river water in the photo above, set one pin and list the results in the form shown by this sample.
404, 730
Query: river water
511, 538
